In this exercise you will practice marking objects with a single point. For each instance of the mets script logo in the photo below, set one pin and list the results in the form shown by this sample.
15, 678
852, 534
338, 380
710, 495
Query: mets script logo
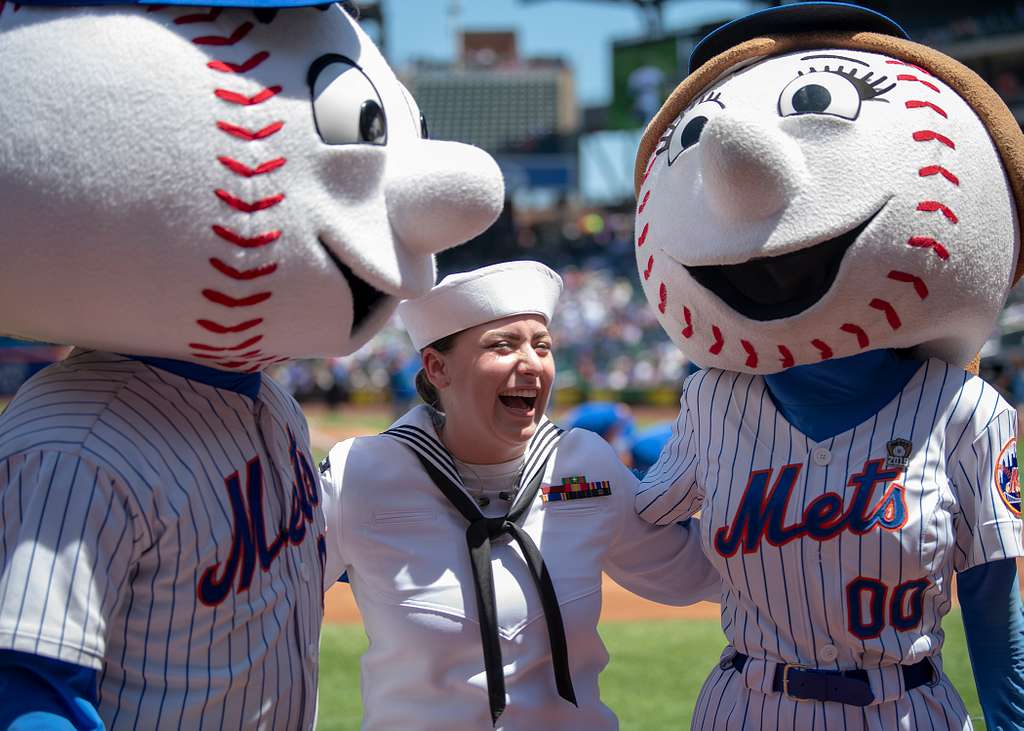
249, 542
761, 513
1006, 477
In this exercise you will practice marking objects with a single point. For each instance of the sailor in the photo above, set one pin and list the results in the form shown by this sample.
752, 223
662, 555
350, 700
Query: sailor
474, 530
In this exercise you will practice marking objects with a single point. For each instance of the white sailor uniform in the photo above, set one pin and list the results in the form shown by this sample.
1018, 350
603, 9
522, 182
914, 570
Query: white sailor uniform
404, 547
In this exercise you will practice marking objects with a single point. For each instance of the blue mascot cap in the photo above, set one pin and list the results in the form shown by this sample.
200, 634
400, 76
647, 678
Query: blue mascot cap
796, 18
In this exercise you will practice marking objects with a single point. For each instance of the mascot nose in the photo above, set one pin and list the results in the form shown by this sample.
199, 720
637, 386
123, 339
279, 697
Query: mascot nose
444, 194
750, 169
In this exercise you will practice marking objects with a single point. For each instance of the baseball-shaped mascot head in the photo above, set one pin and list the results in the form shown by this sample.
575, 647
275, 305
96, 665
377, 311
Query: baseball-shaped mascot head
820, 186
228, 186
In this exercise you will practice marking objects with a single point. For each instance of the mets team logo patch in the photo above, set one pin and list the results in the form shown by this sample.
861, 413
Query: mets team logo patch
1006, 477
574, 488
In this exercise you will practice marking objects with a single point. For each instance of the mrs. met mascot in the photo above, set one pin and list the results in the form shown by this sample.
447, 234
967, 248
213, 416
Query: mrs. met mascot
828, 221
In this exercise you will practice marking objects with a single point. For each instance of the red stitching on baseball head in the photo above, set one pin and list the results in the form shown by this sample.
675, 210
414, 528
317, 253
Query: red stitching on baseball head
650, 265
932, 206
220, 298
688, 330
898, 62
919, 285
239, 68
929, 170
247, 242
247, 172
643, 203
822, 348
787, 357
250, 135
249, 206
243, 275
890, 312
233, 97
919, 104
858, 331
911, 77
927, 135
648, 170
643, 236
220, 349
662, 297
219, 329
751, 354
716, 347
927, 242
237, 35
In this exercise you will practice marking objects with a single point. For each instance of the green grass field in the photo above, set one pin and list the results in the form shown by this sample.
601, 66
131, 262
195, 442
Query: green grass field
652, 681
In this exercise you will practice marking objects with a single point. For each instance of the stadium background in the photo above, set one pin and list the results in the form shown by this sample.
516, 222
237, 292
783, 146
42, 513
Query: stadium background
568, 167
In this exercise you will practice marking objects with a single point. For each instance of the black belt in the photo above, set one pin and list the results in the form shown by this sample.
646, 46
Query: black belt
481, 531
838, 686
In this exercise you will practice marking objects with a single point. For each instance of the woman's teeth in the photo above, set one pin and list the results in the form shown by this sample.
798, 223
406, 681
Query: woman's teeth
519, 398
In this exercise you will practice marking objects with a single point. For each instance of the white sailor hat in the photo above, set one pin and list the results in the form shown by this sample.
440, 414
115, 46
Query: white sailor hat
467, 299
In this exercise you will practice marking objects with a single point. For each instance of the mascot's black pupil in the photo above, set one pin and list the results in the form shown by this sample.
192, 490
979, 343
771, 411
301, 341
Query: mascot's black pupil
691, 132
373, 127
812, 98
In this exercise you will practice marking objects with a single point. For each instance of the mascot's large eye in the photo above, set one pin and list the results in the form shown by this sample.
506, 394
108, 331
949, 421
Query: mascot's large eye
685, 132
347, 109
821, 92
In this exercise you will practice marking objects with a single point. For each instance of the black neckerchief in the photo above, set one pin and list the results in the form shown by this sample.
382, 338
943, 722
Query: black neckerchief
440, 466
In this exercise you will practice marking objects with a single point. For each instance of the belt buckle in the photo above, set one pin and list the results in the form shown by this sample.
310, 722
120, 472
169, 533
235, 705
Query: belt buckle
785, 682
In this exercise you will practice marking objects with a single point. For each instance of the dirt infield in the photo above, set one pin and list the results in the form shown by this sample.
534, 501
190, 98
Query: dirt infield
617, 605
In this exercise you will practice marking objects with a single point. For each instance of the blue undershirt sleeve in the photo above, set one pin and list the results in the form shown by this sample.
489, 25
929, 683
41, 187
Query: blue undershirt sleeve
994, 624
42, 694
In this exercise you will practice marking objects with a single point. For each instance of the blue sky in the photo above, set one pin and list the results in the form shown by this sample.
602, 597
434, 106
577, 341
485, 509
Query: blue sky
580, 31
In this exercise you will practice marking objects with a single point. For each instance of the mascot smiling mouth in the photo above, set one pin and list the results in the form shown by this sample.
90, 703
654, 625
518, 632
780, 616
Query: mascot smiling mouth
365, 298
772, 288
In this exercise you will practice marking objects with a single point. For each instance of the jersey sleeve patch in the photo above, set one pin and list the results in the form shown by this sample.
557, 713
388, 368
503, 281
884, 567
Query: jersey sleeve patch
1007, 481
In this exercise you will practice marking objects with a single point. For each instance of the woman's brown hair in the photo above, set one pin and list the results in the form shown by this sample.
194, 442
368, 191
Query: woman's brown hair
424, 387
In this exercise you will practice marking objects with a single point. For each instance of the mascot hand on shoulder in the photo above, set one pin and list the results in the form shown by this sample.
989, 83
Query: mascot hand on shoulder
828, 221
189, 195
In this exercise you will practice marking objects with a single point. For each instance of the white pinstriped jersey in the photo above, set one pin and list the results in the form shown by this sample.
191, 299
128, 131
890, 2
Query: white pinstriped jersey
167, 534
835, 555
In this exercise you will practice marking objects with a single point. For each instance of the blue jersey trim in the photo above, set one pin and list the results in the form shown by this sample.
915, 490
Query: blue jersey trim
247, 384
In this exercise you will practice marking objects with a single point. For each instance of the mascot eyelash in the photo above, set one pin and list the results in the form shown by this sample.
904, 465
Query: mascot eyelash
710, 96
869, 90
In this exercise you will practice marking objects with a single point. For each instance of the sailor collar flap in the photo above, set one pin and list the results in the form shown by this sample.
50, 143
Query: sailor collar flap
416, 431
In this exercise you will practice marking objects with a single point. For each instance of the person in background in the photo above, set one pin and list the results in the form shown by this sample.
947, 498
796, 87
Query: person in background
613, 422
647, 446
474, 531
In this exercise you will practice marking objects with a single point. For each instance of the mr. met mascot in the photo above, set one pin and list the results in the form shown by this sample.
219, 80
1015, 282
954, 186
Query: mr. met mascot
188, 195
